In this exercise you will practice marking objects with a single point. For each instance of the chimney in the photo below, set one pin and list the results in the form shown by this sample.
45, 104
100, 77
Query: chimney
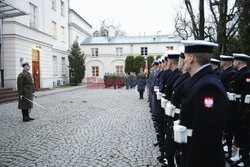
158, 33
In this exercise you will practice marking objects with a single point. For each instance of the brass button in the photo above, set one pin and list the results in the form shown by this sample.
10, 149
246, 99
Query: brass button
173, 92
180, 153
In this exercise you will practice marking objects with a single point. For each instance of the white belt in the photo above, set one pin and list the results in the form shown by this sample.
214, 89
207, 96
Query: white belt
163, 102
247, 99
231, 96
169, 109
155, 88
158, 95
177, 110
238, 96
181, 133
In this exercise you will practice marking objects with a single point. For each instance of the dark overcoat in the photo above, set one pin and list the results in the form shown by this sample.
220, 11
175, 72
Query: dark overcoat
203, 107
141, 82
25, 88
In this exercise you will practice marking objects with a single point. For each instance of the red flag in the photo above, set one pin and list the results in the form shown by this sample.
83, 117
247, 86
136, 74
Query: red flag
146, 66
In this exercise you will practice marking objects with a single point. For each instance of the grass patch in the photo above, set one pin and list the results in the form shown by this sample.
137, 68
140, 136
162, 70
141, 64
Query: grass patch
65, 86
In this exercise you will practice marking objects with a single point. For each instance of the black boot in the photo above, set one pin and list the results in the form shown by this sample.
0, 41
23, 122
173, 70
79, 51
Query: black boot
27, 111
25, 118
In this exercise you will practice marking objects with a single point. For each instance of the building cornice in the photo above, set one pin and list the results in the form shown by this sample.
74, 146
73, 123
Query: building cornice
61, 51
134, 43
71, 10
30, 28
25, 38
79, 28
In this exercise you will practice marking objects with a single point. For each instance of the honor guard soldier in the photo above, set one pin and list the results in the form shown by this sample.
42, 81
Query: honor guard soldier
241, 91
161, 120
226, 77
203, 106
173, 58
176, 105
152, 88
25, 89
141, 82
215, 65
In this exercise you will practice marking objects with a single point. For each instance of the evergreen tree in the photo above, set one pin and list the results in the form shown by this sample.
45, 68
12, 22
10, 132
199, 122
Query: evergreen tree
157, 57
139, 62
150, 60
244, 26
129, 64
76, 64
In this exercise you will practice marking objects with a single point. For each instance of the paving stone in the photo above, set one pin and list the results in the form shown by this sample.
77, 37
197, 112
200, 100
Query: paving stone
112, 128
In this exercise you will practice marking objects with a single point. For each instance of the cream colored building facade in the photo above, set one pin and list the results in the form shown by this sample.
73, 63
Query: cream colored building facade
108, 54
42, 38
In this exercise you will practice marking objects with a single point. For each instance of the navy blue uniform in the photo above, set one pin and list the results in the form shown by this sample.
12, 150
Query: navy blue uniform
226, 77
203, 107
241, 86
170, 145
163, 80
173, 76
217, 71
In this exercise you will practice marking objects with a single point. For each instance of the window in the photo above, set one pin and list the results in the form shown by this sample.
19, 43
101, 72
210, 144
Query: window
54, 65
169, 48
119, 69
63, 66
53, 4
144, 51
62, 8
95, 71
119, 51
54, 34
94, 52
32, 15
62, 34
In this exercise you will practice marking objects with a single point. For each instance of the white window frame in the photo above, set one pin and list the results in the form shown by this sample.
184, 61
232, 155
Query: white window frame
144, 51
53, 4
62, 8
119, 69
94, 52
63, 34
33, 15
169, 48
54, 58
63, 66
94, 71
119, 51
54, 31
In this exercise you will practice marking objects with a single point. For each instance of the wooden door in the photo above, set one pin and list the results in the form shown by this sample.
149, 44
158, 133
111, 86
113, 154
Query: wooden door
36, 68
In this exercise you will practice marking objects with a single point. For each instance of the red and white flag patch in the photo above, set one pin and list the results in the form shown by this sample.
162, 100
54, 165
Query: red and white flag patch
208, 102
247, 80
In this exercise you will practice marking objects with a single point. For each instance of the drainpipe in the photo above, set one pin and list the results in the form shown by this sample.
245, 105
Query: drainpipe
68, 37
1, 53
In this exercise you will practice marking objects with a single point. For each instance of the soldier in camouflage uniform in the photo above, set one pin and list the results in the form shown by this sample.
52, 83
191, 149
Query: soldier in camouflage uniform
25, 88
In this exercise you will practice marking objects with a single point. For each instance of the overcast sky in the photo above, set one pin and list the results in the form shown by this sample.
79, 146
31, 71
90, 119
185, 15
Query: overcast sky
134, 16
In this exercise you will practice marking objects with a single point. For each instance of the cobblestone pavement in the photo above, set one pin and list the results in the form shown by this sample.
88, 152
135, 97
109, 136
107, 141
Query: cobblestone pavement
82, 128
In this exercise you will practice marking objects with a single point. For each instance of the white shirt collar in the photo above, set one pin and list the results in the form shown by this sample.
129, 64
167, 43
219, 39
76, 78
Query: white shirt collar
202, 67
242, 67
228, 67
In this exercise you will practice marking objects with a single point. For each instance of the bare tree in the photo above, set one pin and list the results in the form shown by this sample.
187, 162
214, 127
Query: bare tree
221, 25
108, 29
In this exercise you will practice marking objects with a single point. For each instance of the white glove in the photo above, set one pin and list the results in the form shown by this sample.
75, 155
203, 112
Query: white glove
21, 97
